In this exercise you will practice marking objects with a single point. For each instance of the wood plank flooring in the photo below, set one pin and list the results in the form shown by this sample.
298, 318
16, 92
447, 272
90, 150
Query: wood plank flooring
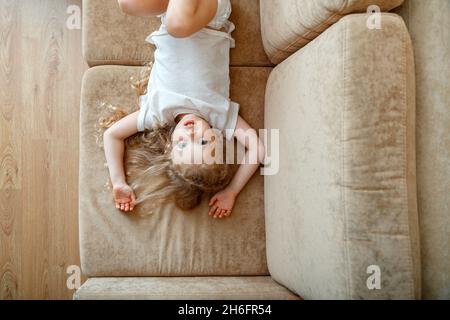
40, 78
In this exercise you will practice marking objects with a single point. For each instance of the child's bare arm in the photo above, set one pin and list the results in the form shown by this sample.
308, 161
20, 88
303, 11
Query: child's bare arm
113, 142
185, 17
223, 202
143, 8
254, 155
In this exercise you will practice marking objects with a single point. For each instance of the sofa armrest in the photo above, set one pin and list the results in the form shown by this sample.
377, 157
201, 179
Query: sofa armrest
183, 288
288, 25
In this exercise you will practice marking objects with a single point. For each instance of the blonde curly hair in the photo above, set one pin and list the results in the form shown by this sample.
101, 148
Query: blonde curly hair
148, 159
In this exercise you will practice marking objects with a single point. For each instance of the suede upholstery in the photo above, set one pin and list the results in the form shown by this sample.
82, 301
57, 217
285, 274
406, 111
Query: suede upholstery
288, 25
169, 242
112, 37
345, 196
184, 288
429, 25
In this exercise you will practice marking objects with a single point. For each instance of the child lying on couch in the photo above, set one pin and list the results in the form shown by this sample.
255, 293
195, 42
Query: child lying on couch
185, 116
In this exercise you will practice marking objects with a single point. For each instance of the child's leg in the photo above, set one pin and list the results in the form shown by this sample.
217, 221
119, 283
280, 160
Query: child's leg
185, 17
143, 7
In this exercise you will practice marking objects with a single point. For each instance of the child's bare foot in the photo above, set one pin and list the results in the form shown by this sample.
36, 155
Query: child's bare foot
222, 203
124, 197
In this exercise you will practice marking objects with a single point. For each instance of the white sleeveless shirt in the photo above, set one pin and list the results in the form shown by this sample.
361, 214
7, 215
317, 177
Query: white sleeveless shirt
191, 75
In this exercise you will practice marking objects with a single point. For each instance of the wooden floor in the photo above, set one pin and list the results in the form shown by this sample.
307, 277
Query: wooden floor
40, 78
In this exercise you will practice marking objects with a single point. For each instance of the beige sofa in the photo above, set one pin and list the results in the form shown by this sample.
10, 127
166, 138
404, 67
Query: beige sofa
363, 169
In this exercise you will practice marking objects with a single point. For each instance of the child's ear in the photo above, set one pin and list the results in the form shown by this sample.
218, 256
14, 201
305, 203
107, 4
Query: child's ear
188, 198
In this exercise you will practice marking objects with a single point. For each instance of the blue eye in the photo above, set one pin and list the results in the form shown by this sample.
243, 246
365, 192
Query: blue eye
182, 144
203, 141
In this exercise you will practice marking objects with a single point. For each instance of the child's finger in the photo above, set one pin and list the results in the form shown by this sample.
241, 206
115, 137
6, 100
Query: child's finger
211, 210
213, 199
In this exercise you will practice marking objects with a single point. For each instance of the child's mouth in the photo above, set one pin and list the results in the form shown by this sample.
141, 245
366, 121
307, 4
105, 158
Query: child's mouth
189, 123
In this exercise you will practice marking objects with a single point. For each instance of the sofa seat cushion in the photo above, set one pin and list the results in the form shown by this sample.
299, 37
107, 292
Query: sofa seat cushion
429, 24
184, 288
343, 206
288, 25
112, 37
169, 241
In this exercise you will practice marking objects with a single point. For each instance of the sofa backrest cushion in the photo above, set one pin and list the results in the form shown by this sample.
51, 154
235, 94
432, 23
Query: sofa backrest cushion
343, 205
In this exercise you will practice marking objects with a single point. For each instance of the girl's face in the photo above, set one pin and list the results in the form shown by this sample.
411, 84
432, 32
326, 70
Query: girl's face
193, 141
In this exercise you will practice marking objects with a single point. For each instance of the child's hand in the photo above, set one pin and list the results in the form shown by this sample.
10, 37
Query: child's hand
222, 203
124, 197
